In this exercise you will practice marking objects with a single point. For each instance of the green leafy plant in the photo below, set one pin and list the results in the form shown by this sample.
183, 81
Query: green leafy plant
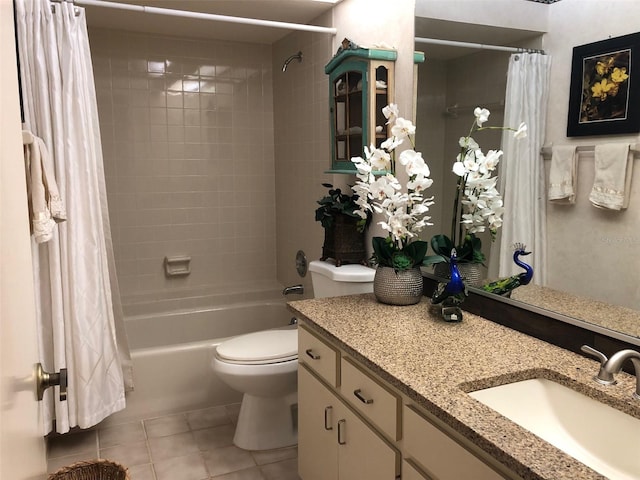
337, 203
386, 253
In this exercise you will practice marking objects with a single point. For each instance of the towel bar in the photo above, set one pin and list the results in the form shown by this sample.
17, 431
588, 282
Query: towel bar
546, 150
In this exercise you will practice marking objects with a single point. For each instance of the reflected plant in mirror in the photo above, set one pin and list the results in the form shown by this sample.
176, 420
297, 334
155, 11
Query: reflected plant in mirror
478, 204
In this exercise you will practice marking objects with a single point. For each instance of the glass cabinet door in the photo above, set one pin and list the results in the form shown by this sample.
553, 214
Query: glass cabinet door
381, 100
348, 116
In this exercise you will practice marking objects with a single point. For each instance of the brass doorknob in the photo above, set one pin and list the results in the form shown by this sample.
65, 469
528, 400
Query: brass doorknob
45, 380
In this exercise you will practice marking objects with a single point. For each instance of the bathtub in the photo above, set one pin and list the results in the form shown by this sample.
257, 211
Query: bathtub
172, 353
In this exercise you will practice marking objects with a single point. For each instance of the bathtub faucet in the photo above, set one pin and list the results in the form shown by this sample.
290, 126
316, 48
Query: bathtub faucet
293, 289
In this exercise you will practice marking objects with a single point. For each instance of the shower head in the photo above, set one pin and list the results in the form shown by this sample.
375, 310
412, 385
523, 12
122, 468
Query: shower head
290, 59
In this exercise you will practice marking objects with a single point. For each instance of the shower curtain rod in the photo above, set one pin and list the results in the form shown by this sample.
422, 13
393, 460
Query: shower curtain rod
482, 46
207, 16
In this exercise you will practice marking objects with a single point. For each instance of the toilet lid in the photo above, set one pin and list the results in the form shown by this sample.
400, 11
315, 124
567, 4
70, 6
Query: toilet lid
268, 346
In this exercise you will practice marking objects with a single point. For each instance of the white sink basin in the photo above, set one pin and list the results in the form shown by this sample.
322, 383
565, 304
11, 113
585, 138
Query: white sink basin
596, 434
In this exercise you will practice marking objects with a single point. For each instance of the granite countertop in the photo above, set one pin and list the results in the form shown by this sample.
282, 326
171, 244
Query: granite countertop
436, 363
613, 317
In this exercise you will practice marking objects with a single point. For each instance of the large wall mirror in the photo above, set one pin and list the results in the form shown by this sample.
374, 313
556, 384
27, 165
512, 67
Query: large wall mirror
592, 270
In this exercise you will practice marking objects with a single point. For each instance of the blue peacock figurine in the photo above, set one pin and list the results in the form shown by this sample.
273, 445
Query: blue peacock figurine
453, 292
505, 286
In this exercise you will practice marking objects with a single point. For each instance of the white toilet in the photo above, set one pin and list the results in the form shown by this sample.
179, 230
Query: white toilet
263, 365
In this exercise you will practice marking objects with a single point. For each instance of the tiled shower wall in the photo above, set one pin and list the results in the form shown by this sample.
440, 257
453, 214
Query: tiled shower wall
302, 143
187, 133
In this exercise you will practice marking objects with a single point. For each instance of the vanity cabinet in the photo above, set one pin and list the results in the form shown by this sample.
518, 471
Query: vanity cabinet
333, 442
352, 425
361, 84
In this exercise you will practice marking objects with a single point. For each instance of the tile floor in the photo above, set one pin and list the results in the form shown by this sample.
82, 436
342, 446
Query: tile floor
196, 445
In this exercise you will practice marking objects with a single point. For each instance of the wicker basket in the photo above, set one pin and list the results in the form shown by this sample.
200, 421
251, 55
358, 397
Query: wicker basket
91, 470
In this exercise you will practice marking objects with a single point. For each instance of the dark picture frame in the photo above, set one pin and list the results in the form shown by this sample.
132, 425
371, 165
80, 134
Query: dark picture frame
604, 97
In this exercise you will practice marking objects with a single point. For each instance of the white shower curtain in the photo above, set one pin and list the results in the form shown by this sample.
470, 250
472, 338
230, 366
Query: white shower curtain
79, 312
522, 180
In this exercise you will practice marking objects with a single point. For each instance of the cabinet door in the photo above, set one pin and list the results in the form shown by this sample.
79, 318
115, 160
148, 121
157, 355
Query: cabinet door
362, 452
349, 107
317, 431
438, 454
410, 472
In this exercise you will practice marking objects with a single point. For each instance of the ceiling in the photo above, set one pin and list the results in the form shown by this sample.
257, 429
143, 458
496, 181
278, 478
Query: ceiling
293, 11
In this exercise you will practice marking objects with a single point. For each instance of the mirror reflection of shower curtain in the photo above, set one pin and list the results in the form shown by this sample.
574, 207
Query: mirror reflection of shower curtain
522, 177
79, 314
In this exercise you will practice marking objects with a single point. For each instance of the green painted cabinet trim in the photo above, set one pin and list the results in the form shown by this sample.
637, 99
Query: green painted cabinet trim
362, 53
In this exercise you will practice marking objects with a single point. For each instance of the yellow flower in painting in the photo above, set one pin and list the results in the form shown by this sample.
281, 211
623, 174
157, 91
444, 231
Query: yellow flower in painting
602, 89
619, 75
603, 66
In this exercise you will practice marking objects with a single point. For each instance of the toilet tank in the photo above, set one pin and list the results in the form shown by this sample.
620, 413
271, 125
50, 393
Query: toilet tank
331, 281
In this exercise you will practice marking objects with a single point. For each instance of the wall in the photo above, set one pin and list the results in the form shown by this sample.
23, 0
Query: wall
595, 250
301, 112
430, 133
518, 14
187, 131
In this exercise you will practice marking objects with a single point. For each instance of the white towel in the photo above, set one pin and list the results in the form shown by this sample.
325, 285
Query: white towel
612, 183
562, 174
45, 205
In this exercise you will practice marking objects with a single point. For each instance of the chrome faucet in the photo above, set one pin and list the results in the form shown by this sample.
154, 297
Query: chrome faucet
299, 289
613, 365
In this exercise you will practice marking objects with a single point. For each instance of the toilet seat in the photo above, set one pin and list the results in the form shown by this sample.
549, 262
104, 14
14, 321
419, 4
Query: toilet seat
260, 348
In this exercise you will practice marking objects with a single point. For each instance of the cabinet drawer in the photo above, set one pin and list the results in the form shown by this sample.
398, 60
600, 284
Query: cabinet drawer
438, 454
411, 472
370, 398
318, 356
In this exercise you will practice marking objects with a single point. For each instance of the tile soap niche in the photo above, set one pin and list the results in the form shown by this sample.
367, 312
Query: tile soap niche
177, 266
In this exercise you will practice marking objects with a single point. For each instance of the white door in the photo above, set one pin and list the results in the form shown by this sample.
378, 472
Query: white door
22, 453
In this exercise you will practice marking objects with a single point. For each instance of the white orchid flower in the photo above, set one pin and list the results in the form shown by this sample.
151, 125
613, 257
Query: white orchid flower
414, 163
459, 170
402, 128
482, 115
383, 188
468, 143
380, 160
391, 112
419, 209
521, 132
491, 159
391, 143
420, 183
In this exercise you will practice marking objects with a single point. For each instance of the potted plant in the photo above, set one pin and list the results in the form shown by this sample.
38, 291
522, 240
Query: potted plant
477, 205
343, 227
404, 209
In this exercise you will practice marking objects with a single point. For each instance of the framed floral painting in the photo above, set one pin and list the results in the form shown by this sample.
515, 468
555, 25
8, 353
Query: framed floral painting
604, 98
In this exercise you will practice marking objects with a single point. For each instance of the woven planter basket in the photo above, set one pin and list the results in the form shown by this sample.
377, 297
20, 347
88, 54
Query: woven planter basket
343, 242
91, 470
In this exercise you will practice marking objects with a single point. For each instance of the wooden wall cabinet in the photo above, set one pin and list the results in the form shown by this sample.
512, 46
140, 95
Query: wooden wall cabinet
361, 84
